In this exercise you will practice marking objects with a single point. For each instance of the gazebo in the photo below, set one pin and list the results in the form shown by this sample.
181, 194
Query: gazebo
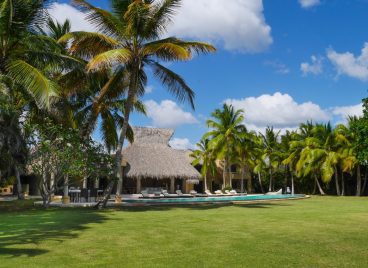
150, 162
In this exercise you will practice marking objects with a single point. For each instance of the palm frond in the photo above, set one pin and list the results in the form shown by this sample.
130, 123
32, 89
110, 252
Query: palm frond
34, 81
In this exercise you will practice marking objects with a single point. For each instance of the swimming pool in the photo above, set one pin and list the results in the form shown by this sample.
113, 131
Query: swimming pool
216, 199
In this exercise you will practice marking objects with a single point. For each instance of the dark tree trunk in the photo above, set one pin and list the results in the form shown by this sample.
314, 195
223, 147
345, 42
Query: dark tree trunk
359, 182
19, 183
365, 181
242, 180
337, 182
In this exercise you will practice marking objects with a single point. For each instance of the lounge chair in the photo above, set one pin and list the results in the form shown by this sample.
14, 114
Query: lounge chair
219, 193
234, 192
167, 195
180, 194
195, 194
145, 194
227, 192
274, 193
208, 192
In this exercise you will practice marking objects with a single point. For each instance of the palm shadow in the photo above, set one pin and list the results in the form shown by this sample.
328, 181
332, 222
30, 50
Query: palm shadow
21, 232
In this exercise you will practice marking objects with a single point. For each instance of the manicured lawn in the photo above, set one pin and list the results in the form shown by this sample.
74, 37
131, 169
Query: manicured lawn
317, 232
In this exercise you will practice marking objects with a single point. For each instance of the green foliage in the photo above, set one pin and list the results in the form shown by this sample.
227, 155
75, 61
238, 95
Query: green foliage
360, 128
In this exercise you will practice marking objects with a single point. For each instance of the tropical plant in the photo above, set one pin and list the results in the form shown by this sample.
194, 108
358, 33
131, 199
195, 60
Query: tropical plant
204, 157
127, 43
226, 128
271, 153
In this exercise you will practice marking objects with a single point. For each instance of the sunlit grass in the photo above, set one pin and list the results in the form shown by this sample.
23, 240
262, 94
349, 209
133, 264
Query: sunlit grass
317, 232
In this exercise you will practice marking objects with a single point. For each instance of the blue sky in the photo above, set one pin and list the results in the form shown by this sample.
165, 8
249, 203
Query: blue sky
282, 61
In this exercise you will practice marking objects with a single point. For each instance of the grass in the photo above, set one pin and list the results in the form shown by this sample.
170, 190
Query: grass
316, 232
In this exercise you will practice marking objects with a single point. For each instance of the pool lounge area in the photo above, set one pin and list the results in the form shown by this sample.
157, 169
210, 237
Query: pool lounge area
214, 199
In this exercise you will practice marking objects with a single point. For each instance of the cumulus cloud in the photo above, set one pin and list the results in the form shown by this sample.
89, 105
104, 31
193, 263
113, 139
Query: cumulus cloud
63, 11
309, 3
343, 112
350, 65
181, 144
168, 114
315, 67
238, 25
278, 110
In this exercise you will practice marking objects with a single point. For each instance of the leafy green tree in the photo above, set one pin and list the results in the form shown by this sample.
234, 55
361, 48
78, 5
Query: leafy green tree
59, 153
226, 128
128, 43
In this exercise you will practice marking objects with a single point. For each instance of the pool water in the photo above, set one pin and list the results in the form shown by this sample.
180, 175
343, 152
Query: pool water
216, 199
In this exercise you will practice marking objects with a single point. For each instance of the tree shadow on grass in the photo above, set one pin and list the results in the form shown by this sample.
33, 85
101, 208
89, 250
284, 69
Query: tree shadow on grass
21, 232
199, 206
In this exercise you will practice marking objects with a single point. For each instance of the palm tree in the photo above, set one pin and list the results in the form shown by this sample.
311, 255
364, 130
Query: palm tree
290, 153
204, 156
245, 155
270, 152
226, 128
127, 44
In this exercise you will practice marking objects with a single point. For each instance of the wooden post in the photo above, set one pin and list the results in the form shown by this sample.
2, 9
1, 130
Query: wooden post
172, 185
139, 185
84, 186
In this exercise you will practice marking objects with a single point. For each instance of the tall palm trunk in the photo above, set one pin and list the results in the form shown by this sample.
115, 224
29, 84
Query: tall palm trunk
249, 180
19, 183
359, 182
270, 185
337, 182
205, 182
118, 156
242, 180
260, 182
342, 184
224, 174
292, 183
319, 186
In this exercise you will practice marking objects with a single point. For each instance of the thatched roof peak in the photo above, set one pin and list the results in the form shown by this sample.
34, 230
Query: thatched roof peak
150, 156
152, 135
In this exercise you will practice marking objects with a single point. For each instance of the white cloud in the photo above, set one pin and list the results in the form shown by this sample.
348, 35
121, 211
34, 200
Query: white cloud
149, 89
168, 114
278, 66
309, 3
278, 110
238, 25
343, 112
181, 144
350, 65
62, 11
315, 67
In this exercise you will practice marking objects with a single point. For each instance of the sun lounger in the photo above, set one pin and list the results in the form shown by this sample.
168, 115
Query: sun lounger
227, 192
167, 195
145, 194
274, 193
180, 194
195, 194
234, 192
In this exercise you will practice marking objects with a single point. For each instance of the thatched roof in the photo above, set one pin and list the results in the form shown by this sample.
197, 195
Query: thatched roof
150, 156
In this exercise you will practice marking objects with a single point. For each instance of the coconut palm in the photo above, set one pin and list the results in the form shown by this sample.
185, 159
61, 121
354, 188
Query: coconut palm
128, 43
246, 150
271, 153
205, 157
226, 127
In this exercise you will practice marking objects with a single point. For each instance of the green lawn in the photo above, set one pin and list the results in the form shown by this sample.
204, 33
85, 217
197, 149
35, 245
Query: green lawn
316, 232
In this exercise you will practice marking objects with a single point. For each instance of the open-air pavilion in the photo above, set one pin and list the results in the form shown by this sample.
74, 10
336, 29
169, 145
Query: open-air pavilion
149, 163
